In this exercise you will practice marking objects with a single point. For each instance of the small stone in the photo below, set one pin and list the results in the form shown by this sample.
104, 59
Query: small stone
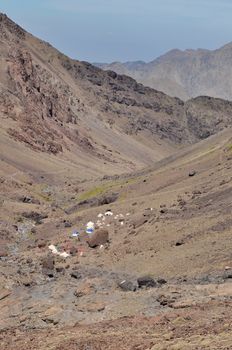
179, 243
27, 282
192, 173
73, 251
67, 224
161, 281
227, 274
127, 286
60, 269
41, 244
146, 281
49, 273
75, 274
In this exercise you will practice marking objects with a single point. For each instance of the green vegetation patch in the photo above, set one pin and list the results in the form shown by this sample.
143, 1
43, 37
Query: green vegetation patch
105, 188
229, 148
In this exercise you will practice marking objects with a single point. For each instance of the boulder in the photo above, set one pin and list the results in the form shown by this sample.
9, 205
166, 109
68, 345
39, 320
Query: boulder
99, 237
127, 286
146, 281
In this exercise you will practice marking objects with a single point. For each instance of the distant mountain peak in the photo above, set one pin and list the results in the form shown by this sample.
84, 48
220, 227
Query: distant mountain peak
185, 73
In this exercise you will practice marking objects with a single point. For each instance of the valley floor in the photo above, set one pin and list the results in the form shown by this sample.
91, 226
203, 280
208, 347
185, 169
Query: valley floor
171, 222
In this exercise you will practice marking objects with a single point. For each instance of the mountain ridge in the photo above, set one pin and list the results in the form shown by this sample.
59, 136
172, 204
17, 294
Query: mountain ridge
57, 105
184, 73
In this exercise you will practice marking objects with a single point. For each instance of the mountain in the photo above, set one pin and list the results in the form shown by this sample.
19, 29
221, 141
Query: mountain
151, 172
184, 74
60, 106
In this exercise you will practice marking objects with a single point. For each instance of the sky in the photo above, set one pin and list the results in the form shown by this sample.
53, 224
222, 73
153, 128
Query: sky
124, 30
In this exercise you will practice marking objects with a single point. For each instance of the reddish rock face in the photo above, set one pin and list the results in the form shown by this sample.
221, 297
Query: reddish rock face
99, 237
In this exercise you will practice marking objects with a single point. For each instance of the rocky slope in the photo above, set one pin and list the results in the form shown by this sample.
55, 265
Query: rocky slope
163, 281
60, 106
184, 74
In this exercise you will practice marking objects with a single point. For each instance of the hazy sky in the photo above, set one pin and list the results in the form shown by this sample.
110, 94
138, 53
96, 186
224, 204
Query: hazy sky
111, 30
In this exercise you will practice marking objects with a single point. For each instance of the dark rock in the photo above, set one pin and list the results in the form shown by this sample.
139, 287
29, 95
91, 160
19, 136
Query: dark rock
192, 173
161, 281
93, 202
179, 243
60, 269
108, 199
73, 251
75, 274
165, 300
112, 74
127, 286
228, 274
67, 224
26, 199
41, 244
49, 273
197, 192
146, 281
37, 217
99, 237
33, 230
27, 283
182, 202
